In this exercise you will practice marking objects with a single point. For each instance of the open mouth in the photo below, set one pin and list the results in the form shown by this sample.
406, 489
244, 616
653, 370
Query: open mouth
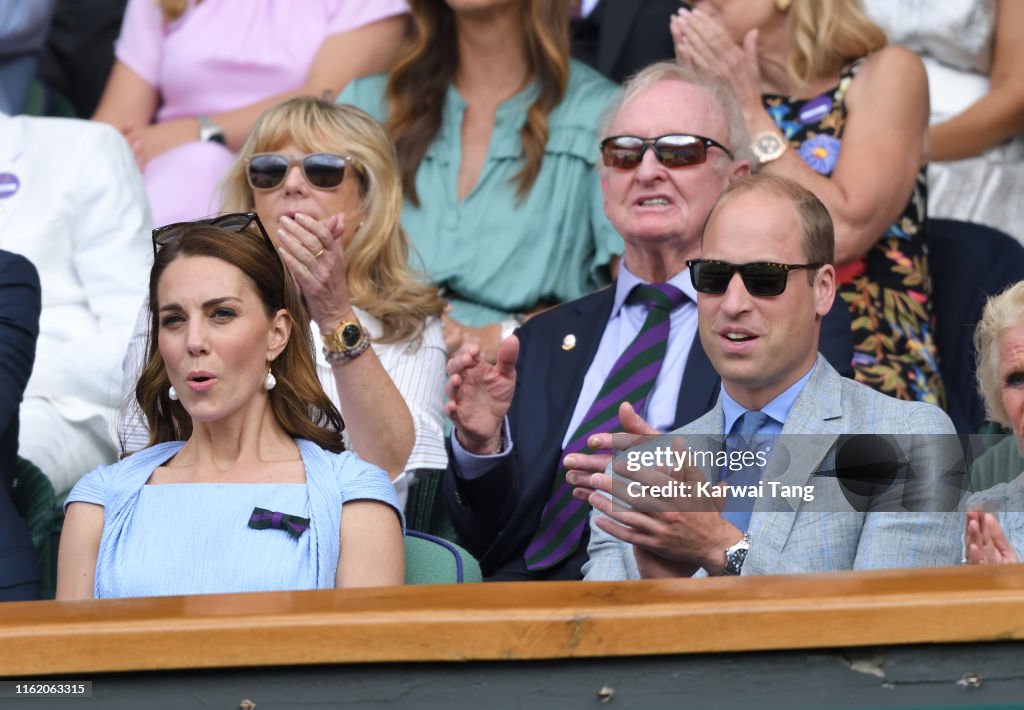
654, 202
738, 337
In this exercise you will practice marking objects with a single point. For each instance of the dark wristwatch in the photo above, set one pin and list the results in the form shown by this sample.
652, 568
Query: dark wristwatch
735, 556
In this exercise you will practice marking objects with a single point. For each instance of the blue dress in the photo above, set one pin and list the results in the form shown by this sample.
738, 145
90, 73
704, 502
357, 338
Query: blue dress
194, 538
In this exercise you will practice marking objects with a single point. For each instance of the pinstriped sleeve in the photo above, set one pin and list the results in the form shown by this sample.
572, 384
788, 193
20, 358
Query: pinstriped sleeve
418, 372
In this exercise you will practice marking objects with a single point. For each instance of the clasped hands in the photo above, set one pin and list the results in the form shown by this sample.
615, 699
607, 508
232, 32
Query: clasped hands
672, 536
702, 42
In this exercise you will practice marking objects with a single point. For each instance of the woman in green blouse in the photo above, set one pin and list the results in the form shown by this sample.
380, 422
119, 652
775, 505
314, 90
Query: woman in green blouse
496, 134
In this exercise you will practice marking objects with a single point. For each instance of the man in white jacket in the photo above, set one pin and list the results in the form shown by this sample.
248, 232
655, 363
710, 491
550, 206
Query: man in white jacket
72, 201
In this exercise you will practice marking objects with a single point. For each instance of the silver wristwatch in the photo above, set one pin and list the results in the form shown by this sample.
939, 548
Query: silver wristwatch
210, 131
735, 555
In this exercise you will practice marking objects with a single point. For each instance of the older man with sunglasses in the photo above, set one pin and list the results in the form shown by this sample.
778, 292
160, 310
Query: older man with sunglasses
672, 143
766, 482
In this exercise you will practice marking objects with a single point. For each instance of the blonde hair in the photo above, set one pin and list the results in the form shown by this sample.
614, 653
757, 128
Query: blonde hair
1002, 312
827, 35
379, 278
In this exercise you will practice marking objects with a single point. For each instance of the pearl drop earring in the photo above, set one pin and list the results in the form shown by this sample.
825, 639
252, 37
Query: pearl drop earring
172, 393
269, 382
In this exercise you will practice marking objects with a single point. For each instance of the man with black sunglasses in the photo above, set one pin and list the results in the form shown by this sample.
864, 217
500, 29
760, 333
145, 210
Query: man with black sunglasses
671, 145
767, 482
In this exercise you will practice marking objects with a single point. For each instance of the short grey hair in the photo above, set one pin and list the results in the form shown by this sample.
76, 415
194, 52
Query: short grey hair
1001, 313
738, 140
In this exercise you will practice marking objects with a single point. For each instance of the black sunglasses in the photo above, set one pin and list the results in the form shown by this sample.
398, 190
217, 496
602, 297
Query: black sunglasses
761, 278
675, 150
324, 171
232, 222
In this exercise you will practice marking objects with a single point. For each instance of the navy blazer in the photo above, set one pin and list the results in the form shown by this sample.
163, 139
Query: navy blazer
497, 514
19, 327
622, 37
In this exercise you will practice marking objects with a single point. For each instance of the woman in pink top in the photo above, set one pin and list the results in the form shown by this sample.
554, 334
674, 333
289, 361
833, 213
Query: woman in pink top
192, 76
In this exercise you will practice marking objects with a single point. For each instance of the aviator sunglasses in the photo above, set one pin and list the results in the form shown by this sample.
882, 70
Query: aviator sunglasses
324, 171
232, 222
675, 150
761, 278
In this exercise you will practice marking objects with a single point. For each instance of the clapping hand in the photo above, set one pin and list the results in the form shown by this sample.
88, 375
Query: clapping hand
985, 542
480, 394
702, 42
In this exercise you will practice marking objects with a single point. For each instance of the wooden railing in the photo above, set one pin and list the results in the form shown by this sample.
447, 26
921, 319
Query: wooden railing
514, 621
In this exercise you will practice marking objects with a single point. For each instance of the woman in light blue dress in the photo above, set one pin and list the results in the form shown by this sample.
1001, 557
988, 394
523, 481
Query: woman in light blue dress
245, 485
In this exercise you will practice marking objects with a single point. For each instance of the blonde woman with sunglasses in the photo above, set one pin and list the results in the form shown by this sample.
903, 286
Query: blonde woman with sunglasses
324, 181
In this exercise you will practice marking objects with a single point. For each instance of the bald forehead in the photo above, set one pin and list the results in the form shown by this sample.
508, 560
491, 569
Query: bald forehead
671, 106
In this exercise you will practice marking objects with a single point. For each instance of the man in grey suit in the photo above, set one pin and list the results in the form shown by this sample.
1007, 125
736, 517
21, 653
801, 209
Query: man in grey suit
787, 415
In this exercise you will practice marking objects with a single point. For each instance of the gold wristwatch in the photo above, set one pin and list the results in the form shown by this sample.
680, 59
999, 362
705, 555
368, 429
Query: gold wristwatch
348, 341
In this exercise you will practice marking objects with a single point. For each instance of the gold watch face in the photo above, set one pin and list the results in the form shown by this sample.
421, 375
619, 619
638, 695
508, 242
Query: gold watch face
347, 337
768, 146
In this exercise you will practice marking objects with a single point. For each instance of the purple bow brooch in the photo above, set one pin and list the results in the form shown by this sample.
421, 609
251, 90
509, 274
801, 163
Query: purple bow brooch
261, 519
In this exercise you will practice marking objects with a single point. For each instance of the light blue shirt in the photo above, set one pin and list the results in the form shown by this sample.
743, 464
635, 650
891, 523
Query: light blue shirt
777, 409
623, 325
494, 254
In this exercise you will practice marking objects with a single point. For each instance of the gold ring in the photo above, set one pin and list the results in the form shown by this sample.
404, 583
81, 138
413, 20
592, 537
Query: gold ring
318, 254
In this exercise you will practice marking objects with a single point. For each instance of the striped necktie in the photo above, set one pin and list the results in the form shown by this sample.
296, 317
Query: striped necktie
744, 439
631, 378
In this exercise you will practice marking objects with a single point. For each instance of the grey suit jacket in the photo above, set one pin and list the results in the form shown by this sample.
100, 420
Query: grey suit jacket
834, 532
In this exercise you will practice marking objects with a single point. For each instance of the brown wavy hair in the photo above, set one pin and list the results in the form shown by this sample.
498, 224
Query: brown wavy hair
427, 65
377, 261
298, 402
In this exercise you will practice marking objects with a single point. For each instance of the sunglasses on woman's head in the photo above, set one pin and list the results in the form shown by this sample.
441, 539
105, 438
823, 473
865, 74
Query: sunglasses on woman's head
232, 222
324, 171
761, 278
675, 150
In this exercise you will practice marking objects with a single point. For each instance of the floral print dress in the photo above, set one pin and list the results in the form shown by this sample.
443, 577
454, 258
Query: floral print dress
888, 289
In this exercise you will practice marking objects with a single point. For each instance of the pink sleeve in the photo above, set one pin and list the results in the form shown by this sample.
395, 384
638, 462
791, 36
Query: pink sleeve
352, 14
140, 45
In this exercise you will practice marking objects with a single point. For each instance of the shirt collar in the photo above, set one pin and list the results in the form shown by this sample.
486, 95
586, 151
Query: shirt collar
627, 280
777, 409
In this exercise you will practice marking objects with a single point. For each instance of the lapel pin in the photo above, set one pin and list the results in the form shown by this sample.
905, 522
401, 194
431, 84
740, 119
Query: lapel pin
569, 342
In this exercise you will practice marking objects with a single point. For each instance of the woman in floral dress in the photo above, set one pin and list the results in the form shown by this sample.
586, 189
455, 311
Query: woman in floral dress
830, 105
